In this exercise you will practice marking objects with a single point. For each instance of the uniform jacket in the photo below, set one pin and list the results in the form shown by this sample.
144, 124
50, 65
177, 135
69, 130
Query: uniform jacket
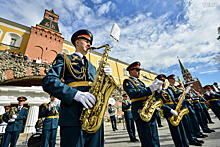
135, 89
49, 122
18, 124
70, 110
126, 108
168, 102
213, 98
174, 92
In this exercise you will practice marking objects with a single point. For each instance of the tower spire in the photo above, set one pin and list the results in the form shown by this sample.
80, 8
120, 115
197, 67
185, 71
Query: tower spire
181, 65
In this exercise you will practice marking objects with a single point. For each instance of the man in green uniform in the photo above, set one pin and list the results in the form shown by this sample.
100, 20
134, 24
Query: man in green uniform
138, 93
15, 118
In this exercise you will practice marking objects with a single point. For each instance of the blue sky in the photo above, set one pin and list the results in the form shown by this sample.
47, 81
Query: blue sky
154, 32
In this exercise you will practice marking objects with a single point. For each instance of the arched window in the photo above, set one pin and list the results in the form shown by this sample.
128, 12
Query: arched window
1, 32
65, 51
125, 72
12, 39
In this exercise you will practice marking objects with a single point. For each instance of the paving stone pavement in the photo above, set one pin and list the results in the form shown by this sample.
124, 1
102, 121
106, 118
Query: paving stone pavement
120, 137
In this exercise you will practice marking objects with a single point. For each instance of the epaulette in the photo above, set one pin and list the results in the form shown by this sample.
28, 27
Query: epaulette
14, 108
25, 108
45, 105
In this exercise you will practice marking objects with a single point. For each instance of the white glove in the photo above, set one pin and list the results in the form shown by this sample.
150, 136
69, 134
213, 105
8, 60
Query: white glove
107, 70
188, 89
156, 85
174, 112
158, 109
11, 120
212, 92
51, 106
208, 93
14, 116
86, 98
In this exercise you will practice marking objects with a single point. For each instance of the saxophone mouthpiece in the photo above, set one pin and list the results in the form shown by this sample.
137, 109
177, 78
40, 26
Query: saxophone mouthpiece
92, 48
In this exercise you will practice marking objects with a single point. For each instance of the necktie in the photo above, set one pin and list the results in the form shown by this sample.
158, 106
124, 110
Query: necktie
85, 62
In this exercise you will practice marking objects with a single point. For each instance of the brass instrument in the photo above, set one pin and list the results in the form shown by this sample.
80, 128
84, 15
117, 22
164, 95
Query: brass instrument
176, 120
147, 111
11, 113
101, 88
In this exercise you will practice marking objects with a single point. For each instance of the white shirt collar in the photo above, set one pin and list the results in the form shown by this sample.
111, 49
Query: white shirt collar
79, 54
20, 107
134, 78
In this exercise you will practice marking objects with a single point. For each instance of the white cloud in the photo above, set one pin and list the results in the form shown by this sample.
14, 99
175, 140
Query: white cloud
209, 71
147, 41
104, 8
96, 1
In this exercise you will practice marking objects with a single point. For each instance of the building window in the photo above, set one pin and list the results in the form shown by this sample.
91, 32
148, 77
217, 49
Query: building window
12, 39
125, 72
1, 32
47, 24
51, 17
53, 27
65, 51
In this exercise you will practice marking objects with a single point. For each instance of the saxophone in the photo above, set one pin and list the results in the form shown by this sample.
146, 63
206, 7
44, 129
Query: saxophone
11, 113
101, 88
176, 120
147, 111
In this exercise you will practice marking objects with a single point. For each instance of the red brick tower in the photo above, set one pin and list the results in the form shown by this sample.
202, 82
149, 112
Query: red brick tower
45, 40
188, 79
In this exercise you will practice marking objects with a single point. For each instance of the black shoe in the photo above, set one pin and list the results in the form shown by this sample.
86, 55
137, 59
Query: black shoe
204, 135
194, 142
200, 141
134, 140
116, 129
160, 126
207, 131
200, 136
211, 122
211, 130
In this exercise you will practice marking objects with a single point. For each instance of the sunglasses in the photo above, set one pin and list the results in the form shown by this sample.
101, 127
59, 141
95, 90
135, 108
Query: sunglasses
136, 69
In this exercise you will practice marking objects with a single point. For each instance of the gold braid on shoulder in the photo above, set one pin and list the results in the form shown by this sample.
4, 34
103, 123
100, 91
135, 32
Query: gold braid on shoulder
73, 72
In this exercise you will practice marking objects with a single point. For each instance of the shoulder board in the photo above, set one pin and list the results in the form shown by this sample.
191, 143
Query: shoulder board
25, 107
75, 57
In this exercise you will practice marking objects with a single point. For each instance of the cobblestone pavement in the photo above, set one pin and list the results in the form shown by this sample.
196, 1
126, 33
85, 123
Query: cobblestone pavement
120, 137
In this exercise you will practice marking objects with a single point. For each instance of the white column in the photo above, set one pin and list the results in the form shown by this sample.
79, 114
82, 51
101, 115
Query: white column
32, 118
2, 109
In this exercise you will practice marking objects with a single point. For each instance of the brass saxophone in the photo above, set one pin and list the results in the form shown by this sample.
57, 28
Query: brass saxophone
176, 120
147, 111
11, 113
101, 88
